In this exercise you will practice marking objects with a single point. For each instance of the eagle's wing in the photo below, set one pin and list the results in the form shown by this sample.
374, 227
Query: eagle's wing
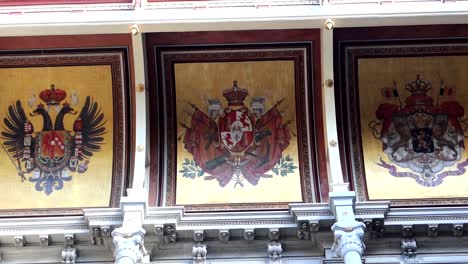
92, 128
13, 133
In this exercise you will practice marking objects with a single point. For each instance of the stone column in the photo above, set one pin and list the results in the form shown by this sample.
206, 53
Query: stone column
348, 232
129, 239
129, 247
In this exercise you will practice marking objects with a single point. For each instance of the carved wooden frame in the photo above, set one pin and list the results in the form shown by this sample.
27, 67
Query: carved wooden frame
117, 59
161, 58
352, 44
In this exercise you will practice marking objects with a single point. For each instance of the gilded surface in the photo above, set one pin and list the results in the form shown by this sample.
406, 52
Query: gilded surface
378, 73
89, 189
198, 82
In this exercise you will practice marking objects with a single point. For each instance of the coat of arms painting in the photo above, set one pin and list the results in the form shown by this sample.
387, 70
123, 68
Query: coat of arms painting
238, 137
57, 130
413, 126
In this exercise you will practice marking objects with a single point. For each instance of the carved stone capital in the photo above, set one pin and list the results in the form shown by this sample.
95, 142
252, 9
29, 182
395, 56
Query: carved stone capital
129, 245
348, 238
199, 253
69, 255
274, 252
408, 247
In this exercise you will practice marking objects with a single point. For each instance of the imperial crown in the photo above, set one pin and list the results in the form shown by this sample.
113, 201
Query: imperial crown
235, 96
52, 96
418, 87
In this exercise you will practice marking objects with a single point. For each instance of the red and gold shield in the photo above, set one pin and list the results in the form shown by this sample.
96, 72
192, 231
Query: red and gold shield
52, 145
236, 130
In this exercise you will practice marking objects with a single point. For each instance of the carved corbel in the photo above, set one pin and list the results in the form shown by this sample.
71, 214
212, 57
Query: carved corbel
169, 233
199, 253
249, 234
159, 230
69, 240
19, 241
314, 226
458, 229
44, 239
199, 236
408, 247
224, 235
274, 234
69, 255
106, 231
407, 231
303, 231
433, 230
96, 236
274, 252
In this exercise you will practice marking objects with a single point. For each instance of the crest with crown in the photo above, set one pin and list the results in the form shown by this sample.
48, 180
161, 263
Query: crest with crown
418, 87
52, 96
235, 95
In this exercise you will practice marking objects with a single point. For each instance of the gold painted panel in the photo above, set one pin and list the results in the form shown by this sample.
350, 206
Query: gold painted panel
447, 77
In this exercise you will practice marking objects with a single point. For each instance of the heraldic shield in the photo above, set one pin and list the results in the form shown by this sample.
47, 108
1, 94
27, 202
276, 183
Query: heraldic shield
236, 143
425, 137
52, 153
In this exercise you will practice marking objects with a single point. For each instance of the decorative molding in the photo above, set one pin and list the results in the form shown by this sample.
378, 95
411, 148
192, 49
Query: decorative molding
129, 245
274, 252
348, 238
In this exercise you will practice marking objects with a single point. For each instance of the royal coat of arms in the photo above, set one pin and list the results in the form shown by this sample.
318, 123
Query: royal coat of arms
50, 154
237, 143
421, 135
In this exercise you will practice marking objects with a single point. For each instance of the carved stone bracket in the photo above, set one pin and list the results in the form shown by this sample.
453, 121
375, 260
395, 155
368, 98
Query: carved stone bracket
408, 247
224, 235
407, 231
457, 230
169, 233
129, 245
303, 230
44, 239
274, 234
199, 236
96, 236
274, 252
69, 255
199, 253
433, 230
249, 234
19, 241
69, 240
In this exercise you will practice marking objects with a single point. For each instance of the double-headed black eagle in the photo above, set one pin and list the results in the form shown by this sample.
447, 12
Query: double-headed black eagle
23, 146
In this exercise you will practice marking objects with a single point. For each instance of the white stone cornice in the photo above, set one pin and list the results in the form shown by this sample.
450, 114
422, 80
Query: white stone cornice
43, 225
427, 215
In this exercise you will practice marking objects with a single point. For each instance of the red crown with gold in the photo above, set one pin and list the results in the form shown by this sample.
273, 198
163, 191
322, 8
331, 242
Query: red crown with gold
53, 96
235, 96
